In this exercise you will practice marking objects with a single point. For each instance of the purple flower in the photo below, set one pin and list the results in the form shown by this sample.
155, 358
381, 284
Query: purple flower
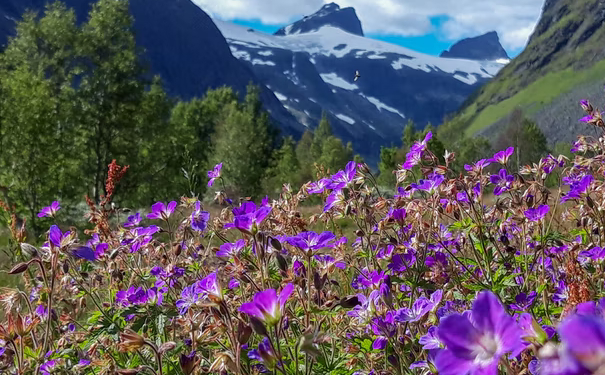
368, 279
523, 301
584, 338
267, 306
421, 145
298, 268
189, 298
578, 186
398, 215
561, 293
210, 288
419, 309
50, 211
230, 250
133, 220
319, 186
344, 177
160, 211
248, 217
310, 242
401, 262
429, 185
475, 342
48, 366
366, 307
214, 174
328, 261
594, 253
502, 180
199, 218
264, 354
430, 340
429, 364
84, 252
412, 159
384, 328
502, 156
478, 166
57, 237
233, 283
335, 199
537, 214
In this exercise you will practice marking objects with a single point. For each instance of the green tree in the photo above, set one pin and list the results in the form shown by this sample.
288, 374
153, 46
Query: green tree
409, 134
527, 138
335, 155
471, 150
305, 156
192, 125
320, 135
111, 89
286, 168
38, 131
244, 142
388, 164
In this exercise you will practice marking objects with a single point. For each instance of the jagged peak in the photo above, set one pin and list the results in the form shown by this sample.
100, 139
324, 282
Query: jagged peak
483, 47
330, 14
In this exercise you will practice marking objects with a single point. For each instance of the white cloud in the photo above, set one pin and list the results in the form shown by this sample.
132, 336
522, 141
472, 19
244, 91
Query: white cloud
514, 20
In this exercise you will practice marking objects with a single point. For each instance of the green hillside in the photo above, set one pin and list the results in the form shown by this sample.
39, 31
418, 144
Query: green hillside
565, 51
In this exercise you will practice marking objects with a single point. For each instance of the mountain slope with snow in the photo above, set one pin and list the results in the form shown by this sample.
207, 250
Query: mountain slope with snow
314, 71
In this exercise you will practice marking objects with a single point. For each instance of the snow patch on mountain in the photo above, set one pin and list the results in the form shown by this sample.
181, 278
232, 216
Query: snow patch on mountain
334, 80
380, 105
281, 97
262, 62
345, 118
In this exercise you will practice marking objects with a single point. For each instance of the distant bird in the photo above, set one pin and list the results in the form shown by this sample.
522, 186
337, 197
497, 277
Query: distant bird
357, 75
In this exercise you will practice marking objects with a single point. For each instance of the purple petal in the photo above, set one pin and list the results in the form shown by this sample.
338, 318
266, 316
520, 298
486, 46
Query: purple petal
449, 364
55, 235
84, 252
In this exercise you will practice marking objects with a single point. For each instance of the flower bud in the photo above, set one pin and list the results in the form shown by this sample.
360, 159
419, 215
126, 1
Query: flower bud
276, 244
29, 250
166, 347
350, 302
188, 362
243, 332
128, 371
258, 327
281, 262
19, 268
130, 341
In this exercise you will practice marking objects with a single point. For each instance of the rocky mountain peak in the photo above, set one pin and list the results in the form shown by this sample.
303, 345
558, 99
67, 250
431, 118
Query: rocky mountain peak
329, 15
483, 47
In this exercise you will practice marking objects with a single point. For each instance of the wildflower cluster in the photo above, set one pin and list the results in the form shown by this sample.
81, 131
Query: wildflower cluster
483, 273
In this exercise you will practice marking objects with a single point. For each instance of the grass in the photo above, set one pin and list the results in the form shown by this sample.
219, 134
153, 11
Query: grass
540, 93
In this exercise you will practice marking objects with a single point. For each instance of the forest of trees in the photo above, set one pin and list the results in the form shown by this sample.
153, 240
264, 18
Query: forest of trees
75, 97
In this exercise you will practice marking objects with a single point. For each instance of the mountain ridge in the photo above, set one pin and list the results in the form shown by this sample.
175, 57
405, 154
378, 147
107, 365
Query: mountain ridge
564, 52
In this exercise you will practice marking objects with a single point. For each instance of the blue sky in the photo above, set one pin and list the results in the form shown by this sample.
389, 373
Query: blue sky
428, 26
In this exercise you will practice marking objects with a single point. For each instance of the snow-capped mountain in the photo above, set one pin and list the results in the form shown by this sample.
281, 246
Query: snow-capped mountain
181, 44
330, 14
314, 71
